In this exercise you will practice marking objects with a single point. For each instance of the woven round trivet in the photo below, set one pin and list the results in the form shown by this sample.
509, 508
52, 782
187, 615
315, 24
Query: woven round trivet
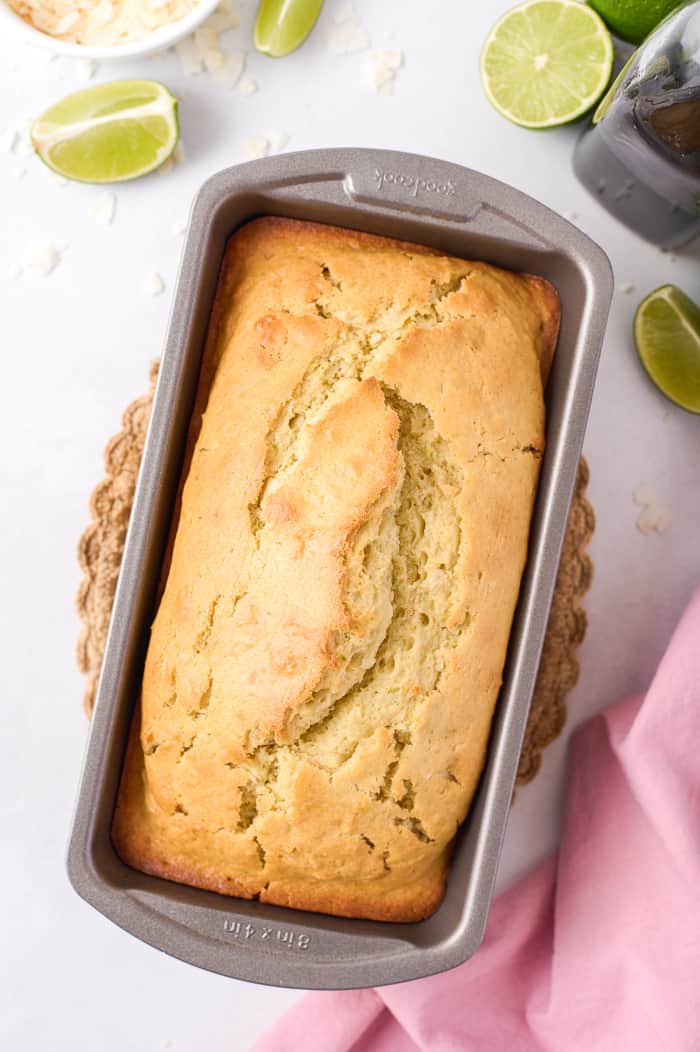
100, 553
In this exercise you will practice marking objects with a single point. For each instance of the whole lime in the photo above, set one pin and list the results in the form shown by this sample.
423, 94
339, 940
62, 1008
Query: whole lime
633, 19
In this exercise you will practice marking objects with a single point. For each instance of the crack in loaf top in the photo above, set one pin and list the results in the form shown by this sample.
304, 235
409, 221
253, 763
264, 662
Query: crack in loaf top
328, 649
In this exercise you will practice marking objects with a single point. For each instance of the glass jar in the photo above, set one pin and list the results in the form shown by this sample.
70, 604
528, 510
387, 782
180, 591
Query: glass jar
641, 155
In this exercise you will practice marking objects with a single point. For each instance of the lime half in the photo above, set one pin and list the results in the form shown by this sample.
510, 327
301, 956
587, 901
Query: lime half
667, 335
546, 62
108, 133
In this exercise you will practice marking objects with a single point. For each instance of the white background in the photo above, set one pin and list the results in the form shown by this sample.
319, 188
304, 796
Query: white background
76, 348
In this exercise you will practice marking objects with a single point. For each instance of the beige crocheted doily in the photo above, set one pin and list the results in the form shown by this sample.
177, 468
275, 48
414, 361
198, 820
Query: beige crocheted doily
102, 543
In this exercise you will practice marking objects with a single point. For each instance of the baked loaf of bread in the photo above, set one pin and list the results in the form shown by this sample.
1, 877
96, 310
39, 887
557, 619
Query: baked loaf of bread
329, 645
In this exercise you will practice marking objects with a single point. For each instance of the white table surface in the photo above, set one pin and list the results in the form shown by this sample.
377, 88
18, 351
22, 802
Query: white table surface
76, 347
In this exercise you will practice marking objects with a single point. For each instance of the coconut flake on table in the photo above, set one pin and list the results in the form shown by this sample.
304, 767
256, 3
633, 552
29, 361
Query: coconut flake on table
153, 284
205, 39
8, 140
277, 139
231, 69
347, 38
85, 68
41, 258
256, 147
202, 52
22, 146
653, 520
102, 207
647, 519
213, 59
344, 14
190, 59
382, 66
221, 21
663, 521
247, 86
643, 495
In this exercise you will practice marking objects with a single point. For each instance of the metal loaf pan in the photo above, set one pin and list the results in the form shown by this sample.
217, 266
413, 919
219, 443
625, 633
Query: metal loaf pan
464, 214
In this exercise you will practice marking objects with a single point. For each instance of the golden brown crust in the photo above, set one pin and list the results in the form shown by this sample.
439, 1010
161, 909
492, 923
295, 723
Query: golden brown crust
547, 299
328, 648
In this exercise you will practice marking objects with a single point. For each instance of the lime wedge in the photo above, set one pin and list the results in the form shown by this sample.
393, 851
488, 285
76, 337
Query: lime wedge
282, 25
546, 62
108, 133
667, 335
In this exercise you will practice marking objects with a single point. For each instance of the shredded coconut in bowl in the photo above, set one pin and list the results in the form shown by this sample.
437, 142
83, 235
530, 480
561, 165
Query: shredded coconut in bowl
101, 22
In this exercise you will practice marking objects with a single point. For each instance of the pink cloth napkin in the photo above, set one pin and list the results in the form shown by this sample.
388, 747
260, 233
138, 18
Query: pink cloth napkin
599, 948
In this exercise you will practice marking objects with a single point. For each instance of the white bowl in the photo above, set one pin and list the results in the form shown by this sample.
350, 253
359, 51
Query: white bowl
158, 40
